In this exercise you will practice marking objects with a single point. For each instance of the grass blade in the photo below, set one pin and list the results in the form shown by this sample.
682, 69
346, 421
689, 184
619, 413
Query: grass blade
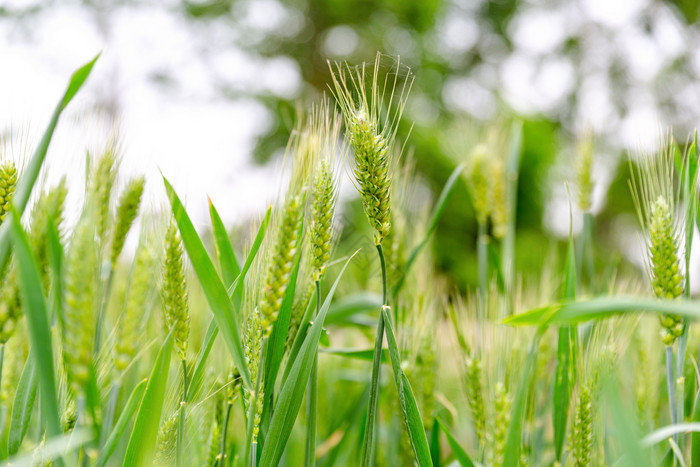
564, 378
409, 408
511, 455
214, 289
459, 452
34, 305
227, 258
358, 354
129, 409
33, 167
143, 437
345, 308
22, 407
292, 393
197, 376
440, 206
236, 290
53, 449
600, 308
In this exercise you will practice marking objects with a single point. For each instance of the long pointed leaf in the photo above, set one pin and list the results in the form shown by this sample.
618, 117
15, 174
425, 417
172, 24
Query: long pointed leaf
459, 452
292, 393
143, 437
22, 406
602, 307
34, 305
31, 171
563, 382
227, 258
511, 455
129, 409
407, 401
214, 289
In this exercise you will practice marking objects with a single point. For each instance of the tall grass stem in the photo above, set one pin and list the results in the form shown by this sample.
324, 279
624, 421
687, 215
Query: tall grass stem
224, 431
368, 445
671, 385
312, 400
181, 417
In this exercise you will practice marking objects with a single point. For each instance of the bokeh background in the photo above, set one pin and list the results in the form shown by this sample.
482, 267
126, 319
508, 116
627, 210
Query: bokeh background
208, 91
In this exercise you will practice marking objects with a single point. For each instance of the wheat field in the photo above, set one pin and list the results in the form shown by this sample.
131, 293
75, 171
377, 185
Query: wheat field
286, 346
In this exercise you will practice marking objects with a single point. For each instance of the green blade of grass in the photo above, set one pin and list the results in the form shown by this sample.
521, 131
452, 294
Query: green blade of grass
31, 170
347, 307
600, 308
435, 443
54, 448
34, 305
695, 437
143, 436
358, 354
22, 407
458, 451
663, 433
292, 393
236, 290
213, 330
407, 401
214, 289
563, 378
197, 376
227, 258
439, 208
511, 454
115, 435
304, 326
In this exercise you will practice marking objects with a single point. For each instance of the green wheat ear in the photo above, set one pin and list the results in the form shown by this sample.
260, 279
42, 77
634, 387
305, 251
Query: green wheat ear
127, 209
79, 314
478, 176
281, 262
253, 344
8, 182
174, 290
582, 439
165, 441
100, 189
325, 126
655, 198
371, 134
584, 173
475, 398
128, 334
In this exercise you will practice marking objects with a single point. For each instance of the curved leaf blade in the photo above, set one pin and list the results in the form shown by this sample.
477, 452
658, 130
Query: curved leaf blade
22, 407
292, 393
214, 289
143, 437
129, 409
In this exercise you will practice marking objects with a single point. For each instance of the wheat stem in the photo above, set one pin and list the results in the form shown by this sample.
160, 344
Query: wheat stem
367, 447
224, 430
483, 258
312, 399
111, 409
181, 417
670, 384
251, 447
